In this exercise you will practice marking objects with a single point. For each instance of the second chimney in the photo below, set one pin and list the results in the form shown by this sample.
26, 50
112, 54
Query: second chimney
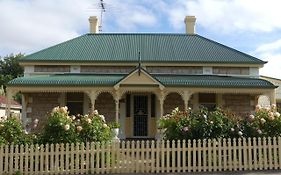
190, 25
93, 20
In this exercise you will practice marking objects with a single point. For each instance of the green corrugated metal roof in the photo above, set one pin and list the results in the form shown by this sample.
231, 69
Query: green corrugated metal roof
166, 80
67, 79
213, 81
180, 48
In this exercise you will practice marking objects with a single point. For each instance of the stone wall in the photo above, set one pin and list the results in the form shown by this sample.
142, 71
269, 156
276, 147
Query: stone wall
231, 70
51, 68
105, 104
239, 103
175, 70
172, 101
106, 69
39, 105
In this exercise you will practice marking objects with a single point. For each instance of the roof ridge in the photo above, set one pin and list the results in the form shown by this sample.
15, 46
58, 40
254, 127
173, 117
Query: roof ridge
140, 33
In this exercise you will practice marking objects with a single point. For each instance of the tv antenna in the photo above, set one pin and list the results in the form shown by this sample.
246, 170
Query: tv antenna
101, 7
102, 10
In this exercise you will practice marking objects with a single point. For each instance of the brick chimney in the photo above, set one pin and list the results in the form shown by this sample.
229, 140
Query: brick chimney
93, 20
190, 25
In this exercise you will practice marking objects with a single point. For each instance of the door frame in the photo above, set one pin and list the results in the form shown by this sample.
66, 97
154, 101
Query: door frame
148, 114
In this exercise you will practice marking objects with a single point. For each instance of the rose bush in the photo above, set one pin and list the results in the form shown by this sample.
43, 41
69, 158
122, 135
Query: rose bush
205, 124
199, 124
265, 122
62, 128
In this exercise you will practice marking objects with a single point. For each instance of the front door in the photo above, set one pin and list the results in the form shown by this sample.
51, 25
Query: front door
140, 115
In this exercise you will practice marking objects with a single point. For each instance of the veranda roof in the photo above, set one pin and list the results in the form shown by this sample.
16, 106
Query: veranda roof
167, 80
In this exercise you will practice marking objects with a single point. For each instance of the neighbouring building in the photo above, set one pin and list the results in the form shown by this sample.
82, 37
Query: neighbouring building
134, 78
15, 107
276, 82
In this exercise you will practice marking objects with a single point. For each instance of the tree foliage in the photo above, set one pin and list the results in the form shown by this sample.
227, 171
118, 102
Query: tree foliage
10, 68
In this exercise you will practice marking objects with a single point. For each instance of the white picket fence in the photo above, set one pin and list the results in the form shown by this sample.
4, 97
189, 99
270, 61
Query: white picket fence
143, 157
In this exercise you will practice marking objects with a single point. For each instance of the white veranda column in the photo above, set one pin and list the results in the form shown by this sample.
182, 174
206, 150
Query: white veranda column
93, 96
117, 98
186, 95
161, 98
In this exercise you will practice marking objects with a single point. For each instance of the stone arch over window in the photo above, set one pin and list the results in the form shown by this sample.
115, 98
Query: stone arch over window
263, 100
105, 104
172, 101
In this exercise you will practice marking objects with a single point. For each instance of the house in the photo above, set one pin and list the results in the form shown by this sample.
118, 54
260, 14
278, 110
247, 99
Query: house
276, 82
134, 78
15, 107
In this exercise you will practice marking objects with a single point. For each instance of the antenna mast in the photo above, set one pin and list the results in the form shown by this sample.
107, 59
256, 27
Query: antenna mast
102, 10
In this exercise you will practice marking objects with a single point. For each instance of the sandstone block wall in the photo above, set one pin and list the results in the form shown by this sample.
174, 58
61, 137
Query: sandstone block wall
239, 103
41, 104
105, 104
172, 101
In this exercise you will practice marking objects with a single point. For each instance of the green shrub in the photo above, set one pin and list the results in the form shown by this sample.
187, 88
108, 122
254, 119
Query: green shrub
203, 124
59, 128
11, 131
200, 124
94, 128
62, 128
265, 122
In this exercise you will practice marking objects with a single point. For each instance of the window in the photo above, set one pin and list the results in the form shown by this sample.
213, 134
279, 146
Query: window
152, 106
74, 102
207, 100
128, 105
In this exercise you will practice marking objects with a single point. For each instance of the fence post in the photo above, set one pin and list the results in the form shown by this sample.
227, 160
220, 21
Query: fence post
255, 150
269, 143
265, 153
189, 155
138, 156
209, 155
157, 156
275, 158
279, 151
260, 158
67, 169
179, 153
194, 155
41, 153
219, 154
81, 157
134, 160
224, 156
199, 163
245, 148
234, 154
16, 157
240, 164
173, 156
168, 159
72, 160
163, 156
142, 157
229, 152
215, 155
148, 153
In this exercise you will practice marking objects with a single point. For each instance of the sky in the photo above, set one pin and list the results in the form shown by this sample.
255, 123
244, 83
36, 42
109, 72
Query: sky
250, 26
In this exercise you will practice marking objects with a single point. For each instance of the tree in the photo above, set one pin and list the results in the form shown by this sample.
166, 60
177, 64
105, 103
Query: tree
10, 68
